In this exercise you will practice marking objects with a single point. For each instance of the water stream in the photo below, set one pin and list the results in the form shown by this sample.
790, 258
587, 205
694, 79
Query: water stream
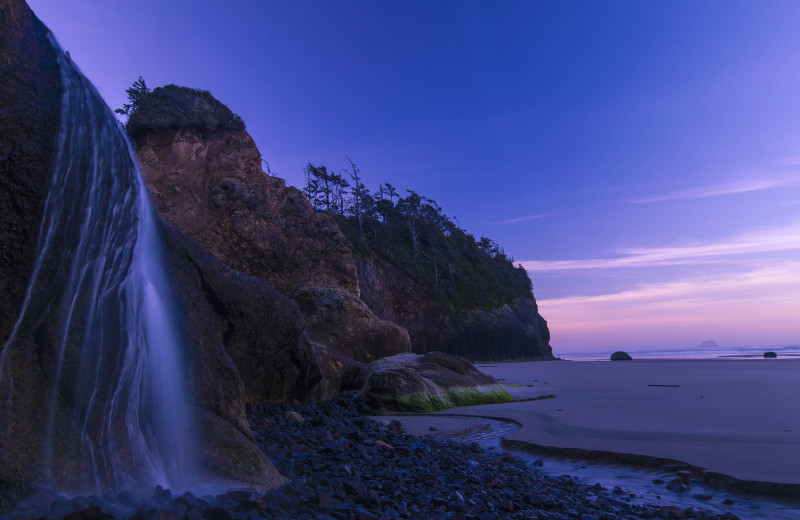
632, 484
100, 314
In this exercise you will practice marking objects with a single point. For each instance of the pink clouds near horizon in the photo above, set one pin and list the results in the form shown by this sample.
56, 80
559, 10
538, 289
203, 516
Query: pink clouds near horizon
752, 297
758, 307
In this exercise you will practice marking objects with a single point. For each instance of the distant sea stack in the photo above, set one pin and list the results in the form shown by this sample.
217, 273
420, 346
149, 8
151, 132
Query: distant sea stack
708, 345
205, 177
620, 356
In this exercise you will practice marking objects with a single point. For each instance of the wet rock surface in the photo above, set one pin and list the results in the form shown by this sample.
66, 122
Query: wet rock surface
430, 382
344, 466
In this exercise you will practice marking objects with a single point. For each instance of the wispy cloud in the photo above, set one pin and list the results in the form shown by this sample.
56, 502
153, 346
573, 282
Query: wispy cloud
754, 306
523, 219
730, 188
754, 242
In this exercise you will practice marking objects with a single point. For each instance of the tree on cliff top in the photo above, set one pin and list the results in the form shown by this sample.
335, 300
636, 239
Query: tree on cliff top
414, 234
173, 106
136, 93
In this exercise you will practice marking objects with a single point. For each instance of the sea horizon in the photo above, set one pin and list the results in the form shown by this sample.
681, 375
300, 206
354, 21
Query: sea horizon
791, 351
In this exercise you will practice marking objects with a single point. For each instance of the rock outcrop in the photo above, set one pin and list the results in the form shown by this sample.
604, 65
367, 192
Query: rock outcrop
425, 383
229, 313
209, 184
512, 331
31, 398
621, 356
29, 116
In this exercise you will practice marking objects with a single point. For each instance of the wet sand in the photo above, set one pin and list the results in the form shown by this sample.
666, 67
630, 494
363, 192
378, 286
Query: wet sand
735, 417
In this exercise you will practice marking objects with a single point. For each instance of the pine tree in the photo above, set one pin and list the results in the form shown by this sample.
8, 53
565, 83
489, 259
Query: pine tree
135, 92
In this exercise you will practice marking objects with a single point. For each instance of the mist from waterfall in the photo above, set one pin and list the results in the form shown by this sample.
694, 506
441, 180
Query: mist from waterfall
99, 297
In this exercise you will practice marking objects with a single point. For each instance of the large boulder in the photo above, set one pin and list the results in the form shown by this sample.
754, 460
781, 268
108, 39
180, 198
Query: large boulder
208, 183
339, 374
347, 326
430, 382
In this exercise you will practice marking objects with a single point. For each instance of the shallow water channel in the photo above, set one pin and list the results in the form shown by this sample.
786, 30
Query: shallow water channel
632, 484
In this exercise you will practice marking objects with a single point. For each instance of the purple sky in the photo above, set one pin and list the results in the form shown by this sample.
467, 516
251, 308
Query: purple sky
641, 159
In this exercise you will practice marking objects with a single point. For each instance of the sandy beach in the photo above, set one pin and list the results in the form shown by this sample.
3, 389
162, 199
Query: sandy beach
735, 417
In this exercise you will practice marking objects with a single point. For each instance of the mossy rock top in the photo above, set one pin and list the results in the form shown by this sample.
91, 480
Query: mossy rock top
172, 106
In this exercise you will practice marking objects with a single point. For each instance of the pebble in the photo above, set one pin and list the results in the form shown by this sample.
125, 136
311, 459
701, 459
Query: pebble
345, 466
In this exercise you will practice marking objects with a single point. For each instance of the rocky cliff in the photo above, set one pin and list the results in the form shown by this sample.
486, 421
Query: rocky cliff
32, 395
208, 183
205, 178
512, 330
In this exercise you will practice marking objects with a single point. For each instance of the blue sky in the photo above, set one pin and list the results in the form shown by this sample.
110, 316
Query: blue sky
641, 159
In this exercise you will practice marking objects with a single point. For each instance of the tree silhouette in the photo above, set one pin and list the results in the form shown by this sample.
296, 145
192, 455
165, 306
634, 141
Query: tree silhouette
135, 92
415, 235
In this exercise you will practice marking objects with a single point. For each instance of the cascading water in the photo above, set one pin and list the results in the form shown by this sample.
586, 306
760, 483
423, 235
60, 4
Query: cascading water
99, 299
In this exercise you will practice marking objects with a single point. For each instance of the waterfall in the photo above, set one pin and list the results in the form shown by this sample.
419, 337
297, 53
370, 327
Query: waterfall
104, 322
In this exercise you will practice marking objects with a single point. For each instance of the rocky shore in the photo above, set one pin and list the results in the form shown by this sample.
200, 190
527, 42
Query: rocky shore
342, 465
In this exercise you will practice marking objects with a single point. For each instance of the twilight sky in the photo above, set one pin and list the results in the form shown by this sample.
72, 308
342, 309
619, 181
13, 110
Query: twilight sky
641, 159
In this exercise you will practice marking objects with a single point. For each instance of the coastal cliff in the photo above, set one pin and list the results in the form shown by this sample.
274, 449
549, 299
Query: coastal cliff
204, 175
506, 330
67, 348
206, 180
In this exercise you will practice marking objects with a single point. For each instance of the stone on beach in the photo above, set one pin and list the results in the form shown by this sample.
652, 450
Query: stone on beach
430, 382
620, 356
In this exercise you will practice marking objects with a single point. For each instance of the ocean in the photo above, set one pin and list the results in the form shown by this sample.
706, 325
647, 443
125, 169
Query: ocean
783, 351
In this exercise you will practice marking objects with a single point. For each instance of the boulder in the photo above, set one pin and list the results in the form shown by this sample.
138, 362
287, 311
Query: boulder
339, 374
348, 327
770, 355
620, 356
425, 383
678, 484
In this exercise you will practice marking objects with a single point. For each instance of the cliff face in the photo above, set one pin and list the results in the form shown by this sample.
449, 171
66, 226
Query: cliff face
209, 184
30, 394
510, 331
29, 107
207, 181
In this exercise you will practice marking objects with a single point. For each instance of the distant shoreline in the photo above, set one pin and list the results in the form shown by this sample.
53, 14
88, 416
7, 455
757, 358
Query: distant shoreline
784, 351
